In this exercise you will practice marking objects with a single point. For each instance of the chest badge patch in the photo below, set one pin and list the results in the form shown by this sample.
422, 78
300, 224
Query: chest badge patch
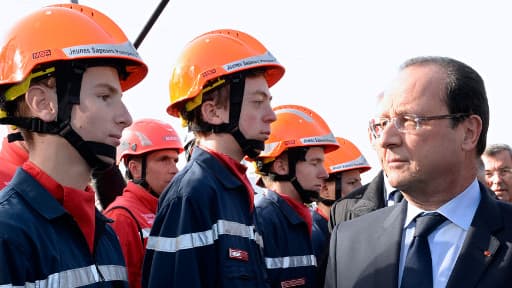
293, 283
238, 254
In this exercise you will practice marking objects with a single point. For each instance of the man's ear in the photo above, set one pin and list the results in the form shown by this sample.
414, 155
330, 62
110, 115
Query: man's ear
42, 102
472, 130
135, 168
211, 113
280, 166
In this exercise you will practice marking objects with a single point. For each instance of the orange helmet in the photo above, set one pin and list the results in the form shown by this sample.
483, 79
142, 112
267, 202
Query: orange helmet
147, 135
64, 32
211, 56
346, 157
297, 126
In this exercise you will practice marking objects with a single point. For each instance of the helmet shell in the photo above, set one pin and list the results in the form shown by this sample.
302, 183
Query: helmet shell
346, 157
213, 55
66, 32
297, 126
147, 135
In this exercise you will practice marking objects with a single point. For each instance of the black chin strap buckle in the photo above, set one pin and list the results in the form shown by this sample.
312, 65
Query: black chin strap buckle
13, 137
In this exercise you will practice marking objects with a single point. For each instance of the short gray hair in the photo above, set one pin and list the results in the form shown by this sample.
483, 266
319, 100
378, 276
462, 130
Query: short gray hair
494, 149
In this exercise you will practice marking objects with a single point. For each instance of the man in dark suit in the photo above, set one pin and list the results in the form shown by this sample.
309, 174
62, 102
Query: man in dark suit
430, 128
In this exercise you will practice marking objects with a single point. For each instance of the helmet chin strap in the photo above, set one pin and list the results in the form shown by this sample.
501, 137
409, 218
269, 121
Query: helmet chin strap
250, 147
295, 155
69, 80
307, 196
88, 150
142, 180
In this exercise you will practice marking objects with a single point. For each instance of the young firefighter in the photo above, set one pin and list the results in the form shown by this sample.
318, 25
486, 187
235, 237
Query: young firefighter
149, 150
344, 166
64, 70
204, 234
292, 169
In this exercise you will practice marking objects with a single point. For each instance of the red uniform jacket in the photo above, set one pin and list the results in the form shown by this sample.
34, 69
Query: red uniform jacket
12, 156
143, 207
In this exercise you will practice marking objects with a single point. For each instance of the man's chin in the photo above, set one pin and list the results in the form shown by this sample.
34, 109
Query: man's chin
502, 195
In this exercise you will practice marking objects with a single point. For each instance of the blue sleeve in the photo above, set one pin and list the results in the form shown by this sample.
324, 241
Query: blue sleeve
180, 250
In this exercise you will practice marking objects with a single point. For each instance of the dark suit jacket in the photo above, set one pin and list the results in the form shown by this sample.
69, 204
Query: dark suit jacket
365, 252
363, 200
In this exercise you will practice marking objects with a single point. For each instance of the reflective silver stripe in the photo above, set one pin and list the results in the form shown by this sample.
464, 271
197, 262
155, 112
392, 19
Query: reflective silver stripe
199, 239
145, 232
292, 261
300, 113
79, 277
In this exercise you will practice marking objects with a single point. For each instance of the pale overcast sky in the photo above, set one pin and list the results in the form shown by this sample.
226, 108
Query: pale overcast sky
338, 54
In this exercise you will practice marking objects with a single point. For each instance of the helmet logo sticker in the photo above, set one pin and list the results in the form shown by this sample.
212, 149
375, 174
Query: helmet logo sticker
319, 139
208, 72
361, 161
134, 147
41, 54
125, 49
265, 58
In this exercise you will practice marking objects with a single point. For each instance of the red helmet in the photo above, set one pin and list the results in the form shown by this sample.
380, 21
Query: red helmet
211, 56
147, 135
346, 157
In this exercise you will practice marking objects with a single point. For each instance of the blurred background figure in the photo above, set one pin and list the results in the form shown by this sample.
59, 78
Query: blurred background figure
481, 170
497, 160
376, 194
149, 150
12, 155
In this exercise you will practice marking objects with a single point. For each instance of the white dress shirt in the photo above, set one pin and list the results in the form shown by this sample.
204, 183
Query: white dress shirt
389, 189
446, 241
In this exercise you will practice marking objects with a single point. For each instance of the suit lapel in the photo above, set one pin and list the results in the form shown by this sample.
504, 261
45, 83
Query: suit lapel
388, 240
479, 246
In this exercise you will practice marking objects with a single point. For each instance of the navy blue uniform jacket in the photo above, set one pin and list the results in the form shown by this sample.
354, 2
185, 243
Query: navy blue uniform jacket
204, 233
41, 245
288, 249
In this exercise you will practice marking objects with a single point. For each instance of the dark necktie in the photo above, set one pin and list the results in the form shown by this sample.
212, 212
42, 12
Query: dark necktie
396, 196
418, 264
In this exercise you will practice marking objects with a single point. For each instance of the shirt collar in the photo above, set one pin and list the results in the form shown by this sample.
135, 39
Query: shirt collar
78, 203
469, 199
388, 186
147, 199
